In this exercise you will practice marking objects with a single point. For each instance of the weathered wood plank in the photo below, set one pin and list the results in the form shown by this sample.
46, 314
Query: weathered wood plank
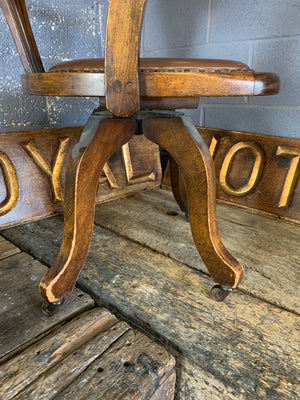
21, 318
269, 249
51, 382
194, 383
27, 369
36, 161
256, 172
54, 380
244, 346
248, 345
7, 249
116, 360
133, 368
36, 374
166, 389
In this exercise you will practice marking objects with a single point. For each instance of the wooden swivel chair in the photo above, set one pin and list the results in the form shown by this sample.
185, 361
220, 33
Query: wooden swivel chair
130, 89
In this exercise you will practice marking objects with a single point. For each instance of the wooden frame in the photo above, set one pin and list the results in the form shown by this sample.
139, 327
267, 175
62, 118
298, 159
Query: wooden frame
155, 84
126, 87
122, 80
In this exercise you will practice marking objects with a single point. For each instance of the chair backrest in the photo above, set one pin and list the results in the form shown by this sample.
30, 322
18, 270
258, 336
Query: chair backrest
17, 18
123, 29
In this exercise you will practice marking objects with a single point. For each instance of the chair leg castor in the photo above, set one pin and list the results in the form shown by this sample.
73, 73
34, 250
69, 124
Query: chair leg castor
51, 308
219, 292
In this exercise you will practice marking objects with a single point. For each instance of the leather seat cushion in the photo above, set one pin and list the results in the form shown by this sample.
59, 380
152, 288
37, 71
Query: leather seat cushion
96, 65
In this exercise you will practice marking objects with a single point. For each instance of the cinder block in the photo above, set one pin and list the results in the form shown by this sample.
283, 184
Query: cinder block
283, 57
253, 19
257, 119
175, 23
238, 100
71, 111
237, 51
177, 52
17, 111
195, 115
69, 29
63, 31
7, 47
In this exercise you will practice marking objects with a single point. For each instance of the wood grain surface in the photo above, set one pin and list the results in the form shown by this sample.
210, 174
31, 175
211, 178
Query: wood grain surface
246, 347
134, 367
117, 361
277, 189
88, 158
180, 138
255, 172
21, 318
39, 159
269, 249
7, 249
123, 29
155, 84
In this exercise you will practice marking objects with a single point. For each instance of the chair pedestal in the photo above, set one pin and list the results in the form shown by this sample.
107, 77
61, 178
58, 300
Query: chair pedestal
101, 137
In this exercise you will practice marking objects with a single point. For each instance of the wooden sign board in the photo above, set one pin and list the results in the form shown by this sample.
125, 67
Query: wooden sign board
33, 167
257, 172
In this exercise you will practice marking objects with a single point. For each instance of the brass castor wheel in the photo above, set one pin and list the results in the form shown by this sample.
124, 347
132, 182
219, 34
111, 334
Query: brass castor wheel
51, 308
219, 292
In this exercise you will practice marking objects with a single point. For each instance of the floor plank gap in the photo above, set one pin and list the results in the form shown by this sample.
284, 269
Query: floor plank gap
244, 348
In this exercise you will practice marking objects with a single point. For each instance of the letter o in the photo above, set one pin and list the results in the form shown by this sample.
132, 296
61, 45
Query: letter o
255, 173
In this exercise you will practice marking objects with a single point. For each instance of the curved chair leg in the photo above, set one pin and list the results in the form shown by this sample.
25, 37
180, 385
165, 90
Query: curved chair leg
182, 140
178, 186
101, 137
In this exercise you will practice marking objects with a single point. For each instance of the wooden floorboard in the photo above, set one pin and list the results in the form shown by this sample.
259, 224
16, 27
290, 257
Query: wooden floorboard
246, 344
7, 249
91, 357
133, 368
21, 318
244, 348
269, 249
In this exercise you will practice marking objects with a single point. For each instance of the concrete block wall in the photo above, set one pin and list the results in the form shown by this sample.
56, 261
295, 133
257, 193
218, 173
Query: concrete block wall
64, 30
265, 34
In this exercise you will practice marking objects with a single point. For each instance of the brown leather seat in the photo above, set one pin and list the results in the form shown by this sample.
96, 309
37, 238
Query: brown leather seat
156, 65
151, 66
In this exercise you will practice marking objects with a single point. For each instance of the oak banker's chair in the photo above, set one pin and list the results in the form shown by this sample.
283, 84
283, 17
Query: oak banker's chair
130, 88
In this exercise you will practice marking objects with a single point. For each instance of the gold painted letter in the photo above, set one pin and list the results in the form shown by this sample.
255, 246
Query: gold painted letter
131, 179
11, 183
255, 173
51, 172
213, 146
292, 175
109, 176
